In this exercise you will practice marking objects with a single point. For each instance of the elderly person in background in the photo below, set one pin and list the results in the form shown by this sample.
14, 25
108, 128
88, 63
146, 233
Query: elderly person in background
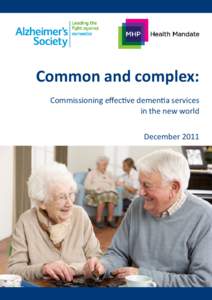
167, 233
100, 191
54, 238
129, 182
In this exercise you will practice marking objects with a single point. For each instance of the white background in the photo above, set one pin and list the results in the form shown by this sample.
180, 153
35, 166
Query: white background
7, 180
27, 117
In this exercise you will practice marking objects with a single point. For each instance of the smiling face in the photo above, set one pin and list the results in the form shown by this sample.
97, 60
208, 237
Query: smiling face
60, 202
158, 194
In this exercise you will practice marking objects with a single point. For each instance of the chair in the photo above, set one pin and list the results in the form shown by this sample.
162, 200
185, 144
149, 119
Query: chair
79, 177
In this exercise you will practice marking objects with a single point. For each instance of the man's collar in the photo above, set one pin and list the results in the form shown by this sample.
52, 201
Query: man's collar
175, 206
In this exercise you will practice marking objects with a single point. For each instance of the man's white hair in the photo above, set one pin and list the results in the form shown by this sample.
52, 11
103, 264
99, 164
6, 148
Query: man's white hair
102, 158
46, 176
170, 164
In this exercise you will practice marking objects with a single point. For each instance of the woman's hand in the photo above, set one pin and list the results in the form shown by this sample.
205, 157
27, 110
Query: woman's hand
93, 266
123, 272
130, 189
58, 270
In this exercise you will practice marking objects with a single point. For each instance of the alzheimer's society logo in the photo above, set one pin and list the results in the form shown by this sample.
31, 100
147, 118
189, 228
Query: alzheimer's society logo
58, 36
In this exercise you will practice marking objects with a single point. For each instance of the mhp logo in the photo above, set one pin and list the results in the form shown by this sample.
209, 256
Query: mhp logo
133, 34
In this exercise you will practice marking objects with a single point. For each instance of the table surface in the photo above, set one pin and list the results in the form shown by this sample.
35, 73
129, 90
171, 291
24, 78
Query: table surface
81, 282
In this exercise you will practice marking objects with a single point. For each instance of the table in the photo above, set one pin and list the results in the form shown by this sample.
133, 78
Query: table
81, 282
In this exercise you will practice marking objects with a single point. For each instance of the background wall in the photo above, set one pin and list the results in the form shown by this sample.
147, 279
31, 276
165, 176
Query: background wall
6, 190
138, 151
42, 155
80, 158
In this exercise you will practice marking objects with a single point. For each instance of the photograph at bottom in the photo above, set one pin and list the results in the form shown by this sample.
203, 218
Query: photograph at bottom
106, 216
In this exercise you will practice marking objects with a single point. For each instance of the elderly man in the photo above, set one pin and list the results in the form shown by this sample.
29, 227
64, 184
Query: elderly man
167, 233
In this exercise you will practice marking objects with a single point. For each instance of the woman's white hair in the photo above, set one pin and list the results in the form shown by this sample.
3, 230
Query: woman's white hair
43, 178
102, 158
170, 164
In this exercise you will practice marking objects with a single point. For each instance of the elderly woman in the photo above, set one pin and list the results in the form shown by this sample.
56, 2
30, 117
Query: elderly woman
100, 191
55, 237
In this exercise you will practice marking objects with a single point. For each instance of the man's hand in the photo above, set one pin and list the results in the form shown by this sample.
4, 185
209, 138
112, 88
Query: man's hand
58, 270
93, 266
123, 272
